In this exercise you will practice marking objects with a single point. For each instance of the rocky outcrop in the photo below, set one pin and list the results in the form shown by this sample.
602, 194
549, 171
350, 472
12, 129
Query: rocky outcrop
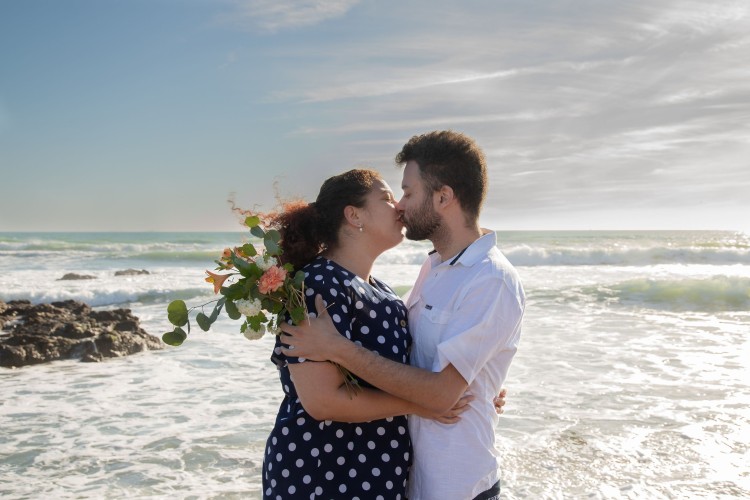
131, 272
41, 333
76, 276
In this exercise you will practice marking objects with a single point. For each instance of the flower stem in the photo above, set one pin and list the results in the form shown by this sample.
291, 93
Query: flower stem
350, 381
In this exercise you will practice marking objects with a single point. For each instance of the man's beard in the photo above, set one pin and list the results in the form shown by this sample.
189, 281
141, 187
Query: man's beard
423, 223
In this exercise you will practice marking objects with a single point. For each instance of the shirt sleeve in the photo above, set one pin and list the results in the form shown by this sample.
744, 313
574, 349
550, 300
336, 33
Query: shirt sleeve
337, 301
486, 322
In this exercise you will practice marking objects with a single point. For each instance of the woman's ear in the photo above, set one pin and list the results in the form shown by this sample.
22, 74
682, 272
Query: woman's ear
351, 214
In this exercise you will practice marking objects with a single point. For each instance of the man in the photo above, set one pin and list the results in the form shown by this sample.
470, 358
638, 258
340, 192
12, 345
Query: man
465, 313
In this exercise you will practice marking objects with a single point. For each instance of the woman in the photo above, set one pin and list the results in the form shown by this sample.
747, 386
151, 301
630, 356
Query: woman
328, 442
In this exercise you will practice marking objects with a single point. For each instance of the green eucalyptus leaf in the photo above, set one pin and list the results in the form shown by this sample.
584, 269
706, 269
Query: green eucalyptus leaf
203, 321
177, 313
272, 247
250, 287
298, 315
230, 291
249, 250
252, 221
299, 279
276, 308
258, 232
175, 337
266, 303
244, 267
272, 234
217, 309
232, 310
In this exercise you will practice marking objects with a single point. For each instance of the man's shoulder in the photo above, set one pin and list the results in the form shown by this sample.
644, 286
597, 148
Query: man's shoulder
495, 272
497, 264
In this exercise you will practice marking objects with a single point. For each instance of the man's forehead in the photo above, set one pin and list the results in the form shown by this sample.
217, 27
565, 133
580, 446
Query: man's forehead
411, 176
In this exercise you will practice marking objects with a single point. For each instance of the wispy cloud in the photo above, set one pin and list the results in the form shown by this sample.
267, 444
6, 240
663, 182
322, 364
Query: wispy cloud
432, 77
271, 16
439, 122
382, 88
702, 18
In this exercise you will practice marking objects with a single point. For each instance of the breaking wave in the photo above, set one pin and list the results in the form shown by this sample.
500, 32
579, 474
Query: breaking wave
718, 293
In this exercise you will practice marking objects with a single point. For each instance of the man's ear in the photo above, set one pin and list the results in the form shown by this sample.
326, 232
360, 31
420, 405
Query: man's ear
445, 196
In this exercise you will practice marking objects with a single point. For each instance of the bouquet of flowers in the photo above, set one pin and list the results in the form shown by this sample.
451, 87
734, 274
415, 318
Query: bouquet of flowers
264, 291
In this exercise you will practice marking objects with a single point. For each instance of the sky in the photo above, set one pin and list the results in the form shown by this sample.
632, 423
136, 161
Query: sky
148, 115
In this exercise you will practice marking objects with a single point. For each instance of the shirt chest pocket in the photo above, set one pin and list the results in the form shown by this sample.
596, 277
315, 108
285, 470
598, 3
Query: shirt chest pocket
435, 315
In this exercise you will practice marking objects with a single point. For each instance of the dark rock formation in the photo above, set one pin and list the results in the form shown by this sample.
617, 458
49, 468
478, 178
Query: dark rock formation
131, 272
76, 276
40, 333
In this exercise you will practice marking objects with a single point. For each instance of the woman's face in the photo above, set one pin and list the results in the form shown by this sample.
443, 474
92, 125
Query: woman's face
380, 220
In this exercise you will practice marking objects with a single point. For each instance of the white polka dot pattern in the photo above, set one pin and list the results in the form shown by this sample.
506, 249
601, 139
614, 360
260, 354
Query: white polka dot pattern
306, 458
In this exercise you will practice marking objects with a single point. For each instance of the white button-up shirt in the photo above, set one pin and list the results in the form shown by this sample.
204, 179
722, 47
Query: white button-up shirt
465, 311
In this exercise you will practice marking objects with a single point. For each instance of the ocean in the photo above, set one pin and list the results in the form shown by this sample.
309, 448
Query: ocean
631, 380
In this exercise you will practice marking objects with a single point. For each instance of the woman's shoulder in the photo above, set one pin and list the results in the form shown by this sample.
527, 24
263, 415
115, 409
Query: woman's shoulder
330, 278
322, 270
325, 277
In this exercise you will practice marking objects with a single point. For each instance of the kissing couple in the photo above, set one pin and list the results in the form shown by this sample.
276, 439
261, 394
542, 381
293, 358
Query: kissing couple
430, 369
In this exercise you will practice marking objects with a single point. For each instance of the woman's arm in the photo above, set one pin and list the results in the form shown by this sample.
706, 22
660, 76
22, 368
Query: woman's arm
321, 390
320, 385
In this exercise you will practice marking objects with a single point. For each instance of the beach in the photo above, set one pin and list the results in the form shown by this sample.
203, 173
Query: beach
630, 381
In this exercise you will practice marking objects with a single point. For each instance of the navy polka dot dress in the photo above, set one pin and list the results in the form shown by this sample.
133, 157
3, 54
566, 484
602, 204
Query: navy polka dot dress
306, 458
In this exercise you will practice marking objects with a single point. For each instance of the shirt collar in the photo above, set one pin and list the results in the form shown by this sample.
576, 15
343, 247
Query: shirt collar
471, 254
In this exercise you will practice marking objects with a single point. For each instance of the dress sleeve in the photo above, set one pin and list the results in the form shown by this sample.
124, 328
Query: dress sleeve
485, 324
337, 299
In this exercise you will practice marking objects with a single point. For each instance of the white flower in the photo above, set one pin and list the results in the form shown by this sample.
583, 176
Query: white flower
251, 334
248, 307
264, 262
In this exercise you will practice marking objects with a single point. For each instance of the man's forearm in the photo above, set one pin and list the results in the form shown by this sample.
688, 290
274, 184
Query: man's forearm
437, 391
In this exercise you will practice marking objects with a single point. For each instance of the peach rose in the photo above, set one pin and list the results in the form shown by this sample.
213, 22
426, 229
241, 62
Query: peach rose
271, 280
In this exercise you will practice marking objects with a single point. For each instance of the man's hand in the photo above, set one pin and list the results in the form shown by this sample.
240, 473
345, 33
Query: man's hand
500, 401
453, 415
315, 339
